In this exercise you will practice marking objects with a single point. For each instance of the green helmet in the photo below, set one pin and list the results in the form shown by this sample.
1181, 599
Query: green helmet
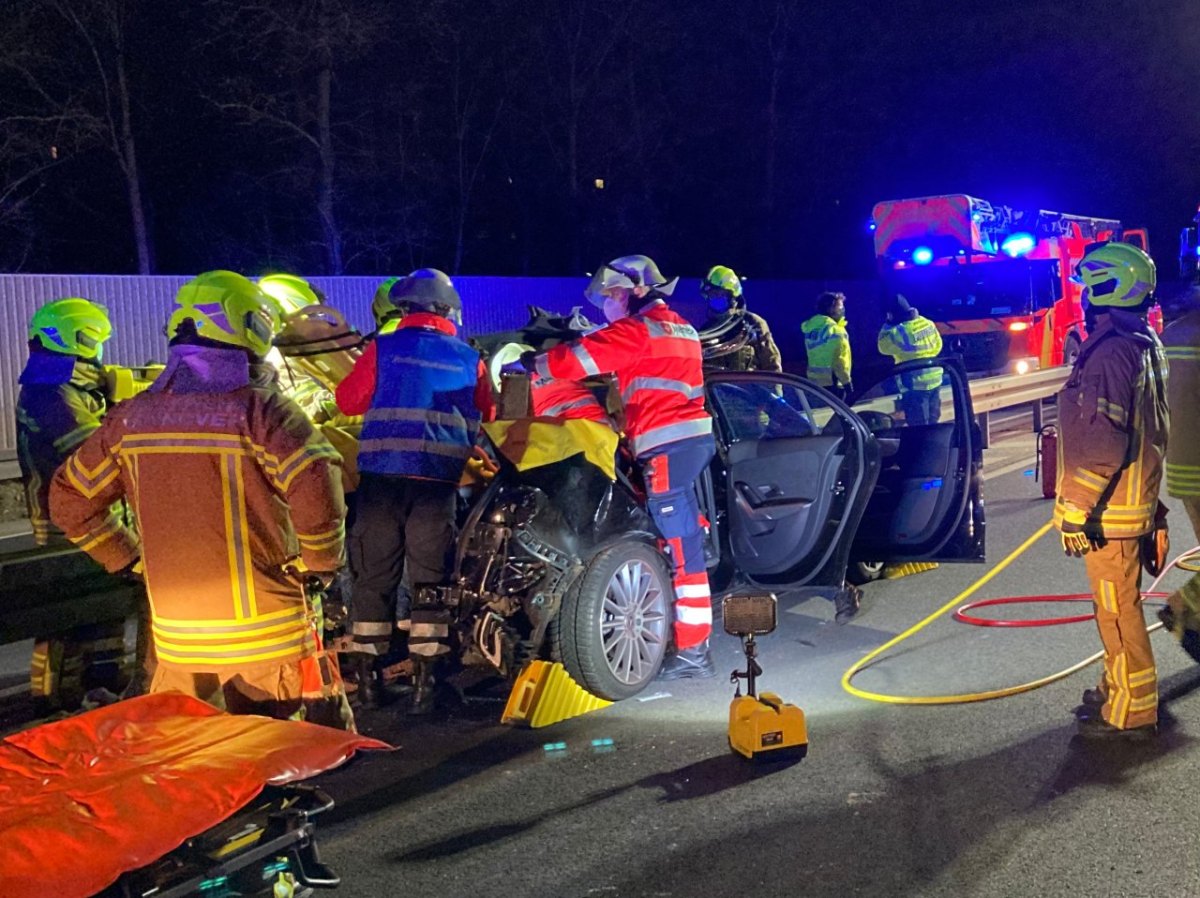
71, 326
382, 306
1116, 275
227, 308
721, 277
291, 292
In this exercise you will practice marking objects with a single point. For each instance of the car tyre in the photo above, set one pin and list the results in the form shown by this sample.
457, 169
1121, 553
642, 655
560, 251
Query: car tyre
615, 622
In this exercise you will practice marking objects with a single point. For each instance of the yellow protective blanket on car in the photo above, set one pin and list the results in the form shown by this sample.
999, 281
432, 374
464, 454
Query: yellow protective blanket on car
535, 442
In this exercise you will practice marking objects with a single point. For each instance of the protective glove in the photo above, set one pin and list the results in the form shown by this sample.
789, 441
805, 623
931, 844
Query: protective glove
1075, 542
529, 361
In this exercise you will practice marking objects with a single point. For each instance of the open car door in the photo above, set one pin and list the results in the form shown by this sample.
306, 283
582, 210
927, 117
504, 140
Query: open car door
798, 467
927, 503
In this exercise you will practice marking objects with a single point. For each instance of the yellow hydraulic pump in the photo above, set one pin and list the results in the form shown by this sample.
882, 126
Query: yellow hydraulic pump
761, 727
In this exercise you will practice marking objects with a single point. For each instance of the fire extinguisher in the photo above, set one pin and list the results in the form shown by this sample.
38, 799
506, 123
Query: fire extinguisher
1046, 467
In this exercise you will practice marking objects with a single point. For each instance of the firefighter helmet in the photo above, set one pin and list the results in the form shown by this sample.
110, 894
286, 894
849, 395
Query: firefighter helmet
227, 308
628, 271
382, 307
428, 290
1116, 275
71, 326
722, 289
291, 292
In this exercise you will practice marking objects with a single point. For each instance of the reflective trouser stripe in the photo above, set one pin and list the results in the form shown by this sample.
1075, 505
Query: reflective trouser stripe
1131, 682
370, 637
429, 633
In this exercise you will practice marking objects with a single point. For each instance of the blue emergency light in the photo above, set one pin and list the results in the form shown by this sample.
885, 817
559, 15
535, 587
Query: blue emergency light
1018, 244
922, 255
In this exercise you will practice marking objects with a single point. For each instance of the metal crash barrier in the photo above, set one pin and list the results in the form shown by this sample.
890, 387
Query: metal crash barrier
991, 394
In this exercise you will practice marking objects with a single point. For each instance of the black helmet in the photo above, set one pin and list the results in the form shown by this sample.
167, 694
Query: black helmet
428, 290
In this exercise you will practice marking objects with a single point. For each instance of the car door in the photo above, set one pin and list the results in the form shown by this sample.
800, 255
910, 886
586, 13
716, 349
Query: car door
794, 468
927, 502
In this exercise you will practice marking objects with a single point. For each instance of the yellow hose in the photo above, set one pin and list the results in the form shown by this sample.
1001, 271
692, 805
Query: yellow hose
966, 697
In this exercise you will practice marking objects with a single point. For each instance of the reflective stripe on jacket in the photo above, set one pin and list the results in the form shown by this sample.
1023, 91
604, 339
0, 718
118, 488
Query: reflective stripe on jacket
423, 418
227, 484
565, 399
1113, 423
827, 345
655, 356
60, 405
917, 338
1181, 342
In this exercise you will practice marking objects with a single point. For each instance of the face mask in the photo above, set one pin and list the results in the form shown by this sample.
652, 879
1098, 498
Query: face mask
614, 309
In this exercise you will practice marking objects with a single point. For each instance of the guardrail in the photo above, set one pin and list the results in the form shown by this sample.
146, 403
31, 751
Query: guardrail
990, 394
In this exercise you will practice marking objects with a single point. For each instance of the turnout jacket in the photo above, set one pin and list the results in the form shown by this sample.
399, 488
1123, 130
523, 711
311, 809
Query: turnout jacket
61, 403
655, 357
1113, 423
827, 345
759, 353
1181, 342
228, 483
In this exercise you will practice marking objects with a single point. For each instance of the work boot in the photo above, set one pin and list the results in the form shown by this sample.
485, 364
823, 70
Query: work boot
846, 603
372, 691
1090, 703
689, 664
1099, 728
421, 701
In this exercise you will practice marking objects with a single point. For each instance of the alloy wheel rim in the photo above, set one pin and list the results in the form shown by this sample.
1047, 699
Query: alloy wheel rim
633, 626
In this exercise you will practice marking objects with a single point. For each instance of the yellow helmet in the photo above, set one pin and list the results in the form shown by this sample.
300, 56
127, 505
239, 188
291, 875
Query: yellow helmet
290, 291
71, 326
225, 307
382, 307
1117, 275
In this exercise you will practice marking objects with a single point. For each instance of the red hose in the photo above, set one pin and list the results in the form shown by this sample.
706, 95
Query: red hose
962, 616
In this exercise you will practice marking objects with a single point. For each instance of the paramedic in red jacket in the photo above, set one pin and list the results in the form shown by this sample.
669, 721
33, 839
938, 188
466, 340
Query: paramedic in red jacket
655, 356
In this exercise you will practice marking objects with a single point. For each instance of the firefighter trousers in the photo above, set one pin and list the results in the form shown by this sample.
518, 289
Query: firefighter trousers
671, 473
1130, 684
66, 667
308, 689
401, 524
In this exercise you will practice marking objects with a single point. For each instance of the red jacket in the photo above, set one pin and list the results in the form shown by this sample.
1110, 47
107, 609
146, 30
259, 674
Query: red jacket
655, 356
355, 392
566, 399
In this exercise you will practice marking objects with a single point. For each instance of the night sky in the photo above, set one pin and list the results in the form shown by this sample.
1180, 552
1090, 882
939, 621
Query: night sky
472, 135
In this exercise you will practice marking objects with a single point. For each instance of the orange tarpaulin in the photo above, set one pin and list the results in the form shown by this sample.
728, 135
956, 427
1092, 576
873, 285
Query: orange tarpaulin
86, 799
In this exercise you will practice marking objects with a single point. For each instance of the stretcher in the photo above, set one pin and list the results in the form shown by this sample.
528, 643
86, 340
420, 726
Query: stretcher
164, 795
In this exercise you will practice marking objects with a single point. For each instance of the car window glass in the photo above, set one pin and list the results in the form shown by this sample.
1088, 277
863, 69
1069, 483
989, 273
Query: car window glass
912, 398
767, 410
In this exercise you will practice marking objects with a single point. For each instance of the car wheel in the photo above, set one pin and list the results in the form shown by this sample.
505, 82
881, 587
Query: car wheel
861, 572
1070, 349
615, 623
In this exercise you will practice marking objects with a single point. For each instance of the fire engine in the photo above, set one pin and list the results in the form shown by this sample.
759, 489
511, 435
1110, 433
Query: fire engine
996, 280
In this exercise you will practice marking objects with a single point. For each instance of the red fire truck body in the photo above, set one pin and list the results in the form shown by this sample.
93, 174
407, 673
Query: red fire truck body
995, 280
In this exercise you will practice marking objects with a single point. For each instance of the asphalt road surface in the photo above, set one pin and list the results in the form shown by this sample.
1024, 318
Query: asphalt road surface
990, 799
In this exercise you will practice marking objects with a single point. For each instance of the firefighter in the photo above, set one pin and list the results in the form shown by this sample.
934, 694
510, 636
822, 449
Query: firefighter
1112, 417
907, 336
238, 499
424, 393
1182, 348
62, 401
292, 294
655, 356
722, 291
827, 345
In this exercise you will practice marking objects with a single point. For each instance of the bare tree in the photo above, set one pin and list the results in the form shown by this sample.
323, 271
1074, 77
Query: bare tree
294, 49
80, 88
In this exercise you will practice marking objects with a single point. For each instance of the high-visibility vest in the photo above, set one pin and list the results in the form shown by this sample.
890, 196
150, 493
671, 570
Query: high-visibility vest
1181, 342
827, 345
917, 338
423, 419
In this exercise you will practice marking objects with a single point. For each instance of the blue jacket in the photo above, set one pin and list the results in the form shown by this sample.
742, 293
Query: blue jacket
423, 417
